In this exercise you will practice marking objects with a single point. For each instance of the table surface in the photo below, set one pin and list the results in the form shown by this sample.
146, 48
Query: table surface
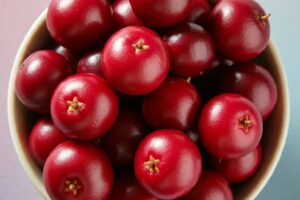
17, 16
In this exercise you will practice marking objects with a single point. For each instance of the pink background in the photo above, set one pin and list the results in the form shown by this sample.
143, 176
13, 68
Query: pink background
16, 17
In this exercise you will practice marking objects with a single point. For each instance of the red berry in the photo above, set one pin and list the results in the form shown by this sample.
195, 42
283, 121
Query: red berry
70, 56
121, 141
200, 12
174, 104
79, 24
167, 164
239, 169
230, 126
91, 62
191, 48
135, 60
252, 81
37, 78
44, 137
123, 15
78, 171
207, 83
210, 186
84, 106
161, 13
240, 28
126, 187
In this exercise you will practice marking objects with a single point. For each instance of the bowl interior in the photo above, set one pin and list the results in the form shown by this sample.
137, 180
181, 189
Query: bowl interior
275, 127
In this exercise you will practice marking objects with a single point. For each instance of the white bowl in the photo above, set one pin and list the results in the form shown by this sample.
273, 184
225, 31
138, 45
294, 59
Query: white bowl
275, 127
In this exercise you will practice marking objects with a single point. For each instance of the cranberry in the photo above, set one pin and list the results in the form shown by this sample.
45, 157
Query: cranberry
91, 62
174, 105
37, 78
167, 164
84, 107
76, 170
121, 141
79, 24
207, 83
135, 60
230, 126
70, 56
239, 169
123, 15
254, 82
200, 12
44, 137
191, 50
210, 186
126, 187
161, 13
241, 29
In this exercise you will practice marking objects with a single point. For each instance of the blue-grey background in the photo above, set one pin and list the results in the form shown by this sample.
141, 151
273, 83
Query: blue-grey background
17, 16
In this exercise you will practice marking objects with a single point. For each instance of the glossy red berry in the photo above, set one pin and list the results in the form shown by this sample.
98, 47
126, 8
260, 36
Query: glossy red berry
84, 106
135, 61
252, 81
44, 137
126, 187
123, 15
174, 104
70, 56
167, 175
240, 28
76, 170
239, 169
37, 78
230, 126
200, 12
161, 13
210, 186
79, 24
121, 141
91, 62
191, 48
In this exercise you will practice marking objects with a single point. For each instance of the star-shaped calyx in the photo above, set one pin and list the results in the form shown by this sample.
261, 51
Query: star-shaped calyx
152, 165
245, 123
74, 105
140, 46
72, 186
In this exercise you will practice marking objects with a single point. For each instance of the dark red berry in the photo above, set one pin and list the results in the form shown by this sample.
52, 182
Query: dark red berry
252, 81
79, 24
167, 164
210, 186
161, 13
191, 48
76, 170
123, 15
239, 169
174, 104
135, 60
37, 78
84, 106
240, 28
121, 141
126, 187
91, 62
200, 12
230, 126
44, 137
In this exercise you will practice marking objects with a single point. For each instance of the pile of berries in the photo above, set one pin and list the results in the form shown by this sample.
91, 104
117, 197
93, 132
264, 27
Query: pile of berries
143, 99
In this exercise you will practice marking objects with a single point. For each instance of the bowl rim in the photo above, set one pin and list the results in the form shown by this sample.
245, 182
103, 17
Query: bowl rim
11, 109
35, 178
